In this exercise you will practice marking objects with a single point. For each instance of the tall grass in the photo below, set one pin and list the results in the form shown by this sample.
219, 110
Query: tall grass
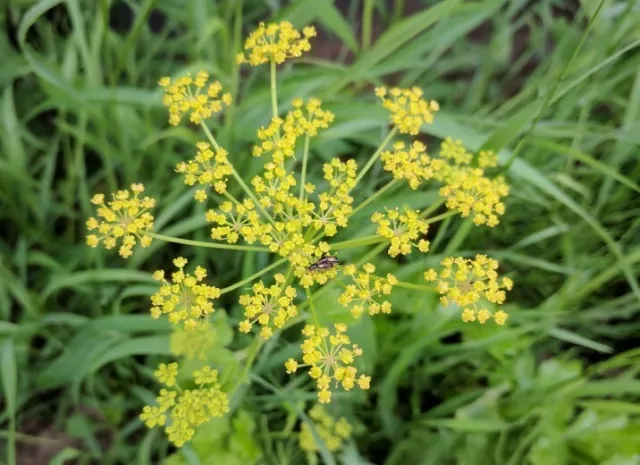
553, 86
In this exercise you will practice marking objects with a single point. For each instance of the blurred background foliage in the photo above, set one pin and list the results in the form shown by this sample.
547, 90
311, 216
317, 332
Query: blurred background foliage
553, 85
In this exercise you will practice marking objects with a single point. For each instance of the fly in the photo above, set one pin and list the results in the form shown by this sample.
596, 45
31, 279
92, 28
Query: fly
325, 263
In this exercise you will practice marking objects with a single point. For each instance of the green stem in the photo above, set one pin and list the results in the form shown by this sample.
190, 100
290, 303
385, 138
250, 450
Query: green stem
305, 156
442, 216
238, 178
414, 286
274, 91
253, 351
211, 245
362, 241
367, 21
375, 156
398, 11
432, 208
377, 194
253, 276
316, 321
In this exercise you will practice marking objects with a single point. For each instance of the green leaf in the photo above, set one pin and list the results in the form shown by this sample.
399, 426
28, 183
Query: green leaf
331, 18
393, 39
9, 376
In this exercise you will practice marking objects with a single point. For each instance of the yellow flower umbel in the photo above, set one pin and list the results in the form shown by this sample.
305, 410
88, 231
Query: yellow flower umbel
276, 42
182, 410
308, 119
335, 206
237, 220
278, 139
412, 164
186, 95
270, 307
194, 344
209, 169
366, 291
333, 433
185, 298
409, 111
467, 282
330, 357
125, 218
467, 189
472, 194
403, 229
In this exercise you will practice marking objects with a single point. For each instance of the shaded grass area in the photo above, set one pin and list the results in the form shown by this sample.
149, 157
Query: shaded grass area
553, 86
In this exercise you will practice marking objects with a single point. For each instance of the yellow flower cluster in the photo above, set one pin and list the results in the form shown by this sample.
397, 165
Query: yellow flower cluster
192, 96
307, 119
280, 136
276, 42
333, 433
208, 168
182, 410
466, 282
282, 218
403, 229
277, 138
412, 164
366, 291
329, 357
125, 218
270, 306
471, 193
334, 207
409, 111
467, 189
185, 299
296, 220
193, 344
455, 151
236, 220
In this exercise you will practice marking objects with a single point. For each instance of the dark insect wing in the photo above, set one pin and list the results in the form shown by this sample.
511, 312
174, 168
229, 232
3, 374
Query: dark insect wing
324, 263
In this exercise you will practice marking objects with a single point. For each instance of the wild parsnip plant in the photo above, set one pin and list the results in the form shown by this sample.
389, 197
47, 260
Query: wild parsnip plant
283, 214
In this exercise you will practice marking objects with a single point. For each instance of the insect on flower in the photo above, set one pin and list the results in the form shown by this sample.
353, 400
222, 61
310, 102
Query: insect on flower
325, 263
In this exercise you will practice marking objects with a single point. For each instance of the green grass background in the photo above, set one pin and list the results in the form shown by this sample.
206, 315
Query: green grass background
554, 86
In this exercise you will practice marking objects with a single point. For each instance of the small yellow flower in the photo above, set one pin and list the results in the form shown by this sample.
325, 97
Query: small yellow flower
500, 317
182, 410
403, 229
333, 433
291, 365
166, 374
467, 282
271, 307
330, 357
188, 95
124, 219
409, 111
209, 169
276, 42
185, 298
366, 291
